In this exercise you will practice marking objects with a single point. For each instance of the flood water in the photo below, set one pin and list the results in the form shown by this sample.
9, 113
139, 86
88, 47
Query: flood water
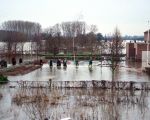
78, 104
128, 71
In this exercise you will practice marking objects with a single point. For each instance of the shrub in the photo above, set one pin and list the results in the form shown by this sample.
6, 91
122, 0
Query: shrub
3, 79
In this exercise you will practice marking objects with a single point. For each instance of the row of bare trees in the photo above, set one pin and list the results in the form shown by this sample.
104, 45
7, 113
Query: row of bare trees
67, 36
70, 36
25, 27
14, 34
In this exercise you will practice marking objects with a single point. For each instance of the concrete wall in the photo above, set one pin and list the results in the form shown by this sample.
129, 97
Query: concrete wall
139, 47
144, 56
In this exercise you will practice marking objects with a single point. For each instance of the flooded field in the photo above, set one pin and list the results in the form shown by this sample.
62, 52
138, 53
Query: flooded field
126, 72
78, 104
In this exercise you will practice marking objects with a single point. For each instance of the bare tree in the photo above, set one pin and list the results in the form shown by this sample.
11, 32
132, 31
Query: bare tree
53, 39
68, 31
115, 48
57, 38
93, 28
48, 36
91, 40
37, 38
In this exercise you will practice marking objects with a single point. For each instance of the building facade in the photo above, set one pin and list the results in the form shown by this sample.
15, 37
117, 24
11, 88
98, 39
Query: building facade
135, 50
146, 39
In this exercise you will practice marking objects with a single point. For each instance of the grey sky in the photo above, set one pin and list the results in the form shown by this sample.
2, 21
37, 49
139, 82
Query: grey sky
130, 16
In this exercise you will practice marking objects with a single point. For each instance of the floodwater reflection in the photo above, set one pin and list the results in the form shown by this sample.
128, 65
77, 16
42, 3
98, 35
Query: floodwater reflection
79, 104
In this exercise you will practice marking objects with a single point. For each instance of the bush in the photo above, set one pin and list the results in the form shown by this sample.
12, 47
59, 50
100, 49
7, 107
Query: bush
3, 79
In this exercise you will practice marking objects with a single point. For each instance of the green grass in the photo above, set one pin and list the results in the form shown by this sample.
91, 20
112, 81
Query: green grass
70, 56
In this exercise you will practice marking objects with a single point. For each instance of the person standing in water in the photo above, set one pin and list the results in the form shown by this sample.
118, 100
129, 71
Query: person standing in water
51, 63
65, 63
90, 63
20, 60
41, 62
13, 61
58, 63
77, 63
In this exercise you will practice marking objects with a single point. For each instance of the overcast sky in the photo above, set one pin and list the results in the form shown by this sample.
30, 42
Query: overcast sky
130, 16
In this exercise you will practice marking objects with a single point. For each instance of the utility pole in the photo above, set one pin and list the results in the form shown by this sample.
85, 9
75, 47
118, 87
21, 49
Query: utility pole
73, 50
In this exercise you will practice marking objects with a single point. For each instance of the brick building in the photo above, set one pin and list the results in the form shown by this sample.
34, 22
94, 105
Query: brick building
130, 51
134, 50
146, 36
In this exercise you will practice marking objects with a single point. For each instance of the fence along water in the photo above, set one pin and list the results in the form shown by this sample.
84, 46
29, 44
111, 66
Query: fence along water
119, 85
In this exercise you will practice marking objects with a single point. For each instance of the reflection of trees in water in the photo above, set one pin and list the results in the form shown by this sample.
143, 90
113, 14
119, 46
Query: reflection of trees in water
81, 104
35, 102
143, 104
32, 102
109, 105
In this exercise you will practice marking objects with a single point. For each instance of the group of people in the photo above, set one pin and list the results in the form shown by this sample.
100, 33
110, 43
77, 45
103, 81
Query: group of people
64, 62
14, 61
3, 62
58, 62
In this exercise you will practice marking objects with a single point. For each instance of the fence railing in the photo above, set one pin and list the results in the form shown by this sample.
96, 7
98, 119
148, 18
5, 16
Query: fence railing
121, 85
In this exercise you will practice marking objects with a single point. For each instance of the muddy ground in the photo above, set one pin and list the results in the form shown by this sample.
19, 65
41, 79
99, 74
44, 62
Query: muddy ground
24, 69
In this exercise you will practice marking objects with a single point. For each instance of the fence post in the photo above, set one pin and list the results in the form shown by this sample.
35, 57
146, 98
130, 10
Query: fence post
50, 83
